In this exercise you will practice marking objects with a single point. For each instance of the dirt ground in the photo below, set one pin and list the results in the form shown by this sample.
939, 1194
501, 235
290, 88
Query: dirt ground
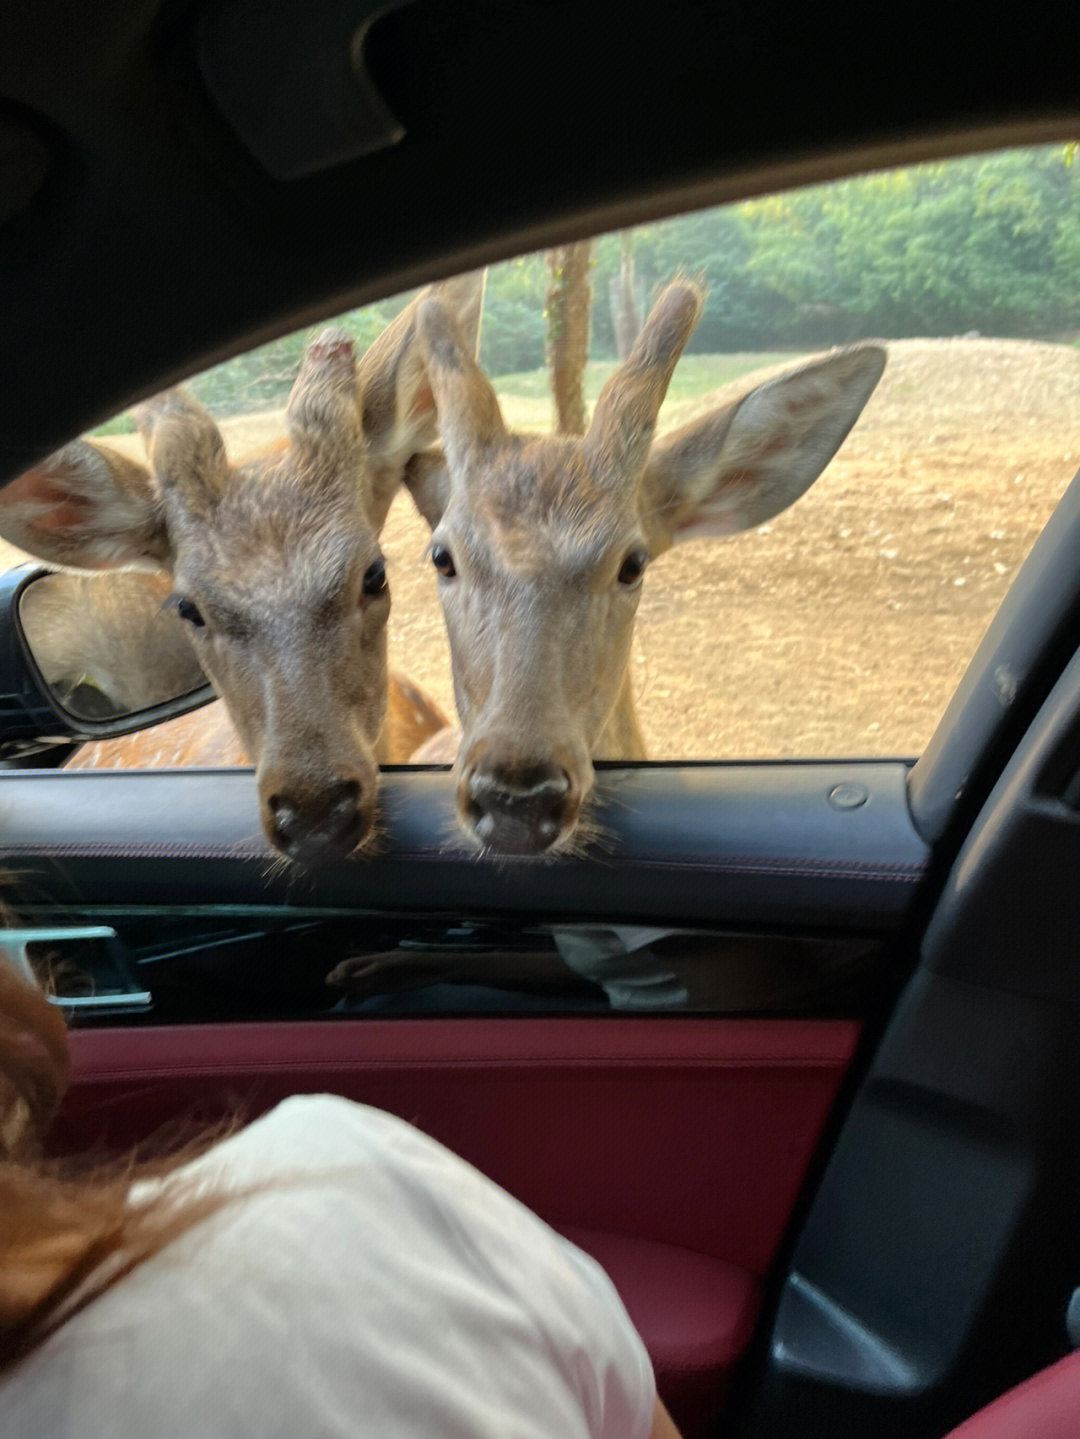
842, 627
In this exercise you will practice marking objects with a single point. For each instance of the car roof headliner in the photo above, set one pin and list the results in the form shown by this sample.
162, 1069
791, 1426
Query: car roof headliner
157, 245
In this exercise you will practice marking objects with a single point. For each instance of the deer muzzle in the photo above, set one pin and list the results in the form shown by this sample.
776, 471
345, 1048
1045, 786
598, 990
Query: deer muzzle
327, 825
518, 811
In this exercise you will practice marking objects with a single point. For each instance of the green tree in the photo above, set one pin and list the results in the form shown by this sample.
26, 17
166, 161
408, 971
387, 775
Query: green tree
512, 331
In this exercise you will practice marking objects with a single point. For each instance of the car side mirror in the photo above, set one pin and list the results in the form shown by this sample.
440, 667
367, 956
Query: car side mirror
90, 656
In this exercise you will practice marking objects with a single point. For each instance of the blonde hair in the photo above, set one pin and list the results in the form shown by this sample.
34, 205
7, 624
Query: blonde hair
67, 1230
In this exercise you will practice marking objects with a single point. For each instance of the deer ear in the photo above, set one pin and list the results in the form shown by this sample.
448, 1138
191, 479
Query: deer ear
427, 479
737, 467
469, 414
86, 508
396, 396
463, 296
625, 417
186, 451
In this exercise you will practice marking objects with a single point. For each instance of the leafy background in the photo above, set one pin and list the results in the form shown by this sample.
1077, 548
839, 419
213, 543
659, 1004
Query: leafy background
988, 244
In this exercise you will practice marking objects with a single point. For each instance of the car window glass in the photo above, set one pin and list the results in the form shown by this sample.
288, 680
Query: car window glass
840, 626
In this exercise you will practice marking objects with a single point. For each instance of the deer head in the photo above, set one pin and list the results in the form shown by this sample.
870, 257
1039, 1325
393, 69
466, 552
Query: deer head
541, 546
275, 562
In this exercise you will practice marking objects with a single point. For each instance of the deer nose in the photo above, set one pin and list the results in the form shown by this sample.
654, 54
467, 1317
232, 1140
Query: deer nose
518, 812
328, 825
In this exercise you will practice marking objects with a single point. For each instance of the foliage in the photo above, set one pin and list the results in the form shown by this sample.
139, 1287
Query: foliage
121, 424
262, 379
512, 330
990, 243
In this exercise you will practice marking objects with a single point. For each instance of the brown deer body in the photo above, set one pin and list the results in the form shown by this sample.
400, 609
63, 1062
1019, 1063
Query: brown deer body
541, 545
275, 564
106, 647
206, 739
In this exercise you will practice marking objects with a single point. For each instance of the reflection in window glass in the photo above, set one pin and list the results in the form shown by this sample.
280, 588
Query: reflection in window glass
842, 626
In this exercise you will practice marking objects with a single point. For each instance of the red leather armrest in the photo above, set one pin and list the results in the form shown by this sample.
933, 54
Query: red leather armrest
695, 1314
1047, 1406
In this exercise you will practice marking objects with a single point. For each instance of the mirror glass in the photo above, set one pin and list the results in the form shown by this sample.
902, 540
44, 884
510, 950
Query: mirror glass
104, 645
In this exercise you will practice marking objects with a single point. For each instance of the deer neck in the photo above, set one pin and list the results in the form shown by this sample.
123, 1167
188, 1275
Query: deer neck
621, 737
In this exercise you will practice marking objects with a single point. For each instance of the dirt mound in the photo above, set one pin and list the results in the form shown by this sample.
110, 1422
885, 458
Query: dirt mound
843, 626
1008, 388
1002, 386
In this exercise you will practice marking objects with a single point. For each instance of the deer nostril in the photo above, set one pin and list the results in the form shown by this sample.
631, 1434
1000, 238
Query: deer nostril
285, 815
520, 812
331, 823
344, 801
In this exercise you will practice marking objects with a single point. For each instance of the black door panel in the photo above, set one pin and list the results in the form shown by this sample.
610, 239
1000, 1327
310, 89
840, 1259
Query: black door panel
818, 847
939, 1257
182, 965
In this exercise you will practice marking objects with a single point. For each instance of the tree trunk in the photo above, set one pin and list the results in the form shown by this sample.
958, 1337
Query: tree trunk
569, 304
625, 303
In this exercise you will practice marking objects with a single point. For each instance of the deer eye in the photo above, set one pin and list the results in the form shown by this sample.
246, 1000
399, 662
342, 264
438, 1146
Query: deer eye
374, 581
186, 609
632, 568
443, 561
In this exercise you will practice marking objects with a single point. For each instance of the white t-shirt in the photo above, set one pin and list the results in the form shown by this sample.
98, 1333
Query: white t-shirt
397, 1292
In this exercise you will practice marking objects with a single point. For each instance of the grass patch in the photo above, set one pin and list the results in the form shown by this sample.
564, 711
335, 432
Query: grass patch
121, 424
525, 397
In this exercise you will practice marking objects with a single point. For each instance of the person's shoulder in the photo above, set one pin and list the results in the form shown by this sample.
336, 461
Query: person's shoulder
307, 1132
315, 1115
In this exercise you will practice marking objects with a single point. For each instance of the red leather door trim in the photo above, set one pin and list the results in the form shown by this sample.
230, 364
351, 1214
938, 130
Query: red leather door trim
672, 1150
689, 1132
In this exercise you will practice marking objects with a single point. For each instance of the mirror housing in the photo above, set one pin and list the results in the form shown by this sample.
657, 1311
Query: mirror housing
36, 714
